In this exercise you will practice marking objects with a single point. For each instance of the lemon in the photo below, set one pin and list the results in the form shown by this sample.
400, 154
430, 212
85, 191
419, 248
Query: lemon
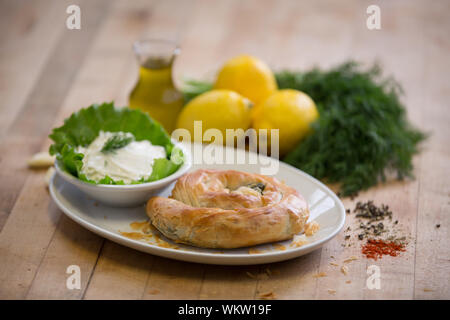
248, 76
290, 111
217, 109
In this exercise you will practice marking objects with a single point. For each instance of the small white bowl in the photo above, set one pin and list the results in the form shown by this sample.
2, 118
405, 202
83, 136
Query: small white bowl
129, 195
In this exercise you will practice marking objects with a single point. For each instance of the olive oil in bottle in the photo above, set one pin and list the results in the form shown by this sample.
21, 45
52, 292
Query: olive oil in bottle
155, 92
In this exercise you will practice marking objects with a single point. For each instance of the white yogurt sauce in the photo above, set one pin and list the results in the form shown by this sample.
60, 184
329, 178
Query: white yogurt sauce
130, 163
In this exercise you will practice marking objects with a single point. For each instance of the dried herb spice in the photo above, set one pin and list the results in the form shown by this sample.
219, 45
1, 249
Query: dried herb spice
375, 225
371, 211
371, 218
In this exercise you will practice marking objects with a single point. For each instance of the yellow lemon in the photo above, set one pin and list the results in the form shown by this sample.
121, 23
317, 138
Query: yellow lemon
290, 111
248, 76
217, 109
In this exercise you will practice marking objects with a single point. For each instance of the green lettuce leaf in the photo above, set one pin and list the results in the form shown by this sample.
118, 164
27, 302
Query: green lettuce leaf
83, 126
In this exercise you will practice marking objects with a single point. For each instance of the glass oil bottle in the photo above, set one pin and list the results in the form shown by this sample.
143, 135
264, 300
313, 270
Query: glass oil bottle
155, 91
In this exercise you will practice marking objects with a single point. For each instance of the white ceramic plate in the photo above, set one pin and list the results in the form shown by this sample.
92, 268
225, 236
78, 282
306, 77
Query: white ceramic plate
108, 222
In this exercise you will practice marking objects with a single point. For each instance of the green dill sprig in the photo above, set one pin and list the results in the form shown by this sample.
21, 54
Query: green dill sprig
117, 141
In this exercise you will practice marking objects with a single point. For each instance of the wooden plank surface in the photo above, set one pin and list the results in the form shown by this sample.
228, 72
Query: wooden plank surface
20, 63
53, 71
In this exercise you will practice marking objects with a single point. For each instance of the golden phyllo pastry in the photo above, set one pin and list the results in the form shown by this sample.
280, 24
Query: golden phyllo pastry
228, 209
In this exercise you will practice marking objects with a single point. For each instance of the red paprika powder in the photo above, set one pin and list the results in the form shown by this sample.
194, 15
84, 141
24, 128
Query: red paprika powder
375, 249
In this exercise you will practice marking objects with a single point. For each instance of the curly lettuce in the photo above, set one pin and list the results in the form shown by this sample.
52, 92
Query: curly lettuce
83, 126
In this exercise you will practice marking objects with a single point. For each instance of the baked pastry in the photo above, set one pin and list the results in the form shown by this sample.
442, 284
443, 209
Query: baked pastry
228, 209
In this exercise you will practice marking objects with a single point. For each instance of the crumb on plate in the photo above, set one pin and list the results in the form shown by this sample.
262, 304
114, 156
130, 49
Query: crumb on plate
279, 246
311, 228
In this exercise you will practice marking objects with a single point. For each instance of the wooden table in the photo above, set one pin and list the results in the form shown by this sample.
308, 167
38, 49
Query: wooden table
48, 71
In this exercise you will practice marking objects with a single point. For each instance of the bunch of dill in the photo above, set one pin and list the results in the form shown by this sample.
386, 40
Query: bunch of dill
362, 132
